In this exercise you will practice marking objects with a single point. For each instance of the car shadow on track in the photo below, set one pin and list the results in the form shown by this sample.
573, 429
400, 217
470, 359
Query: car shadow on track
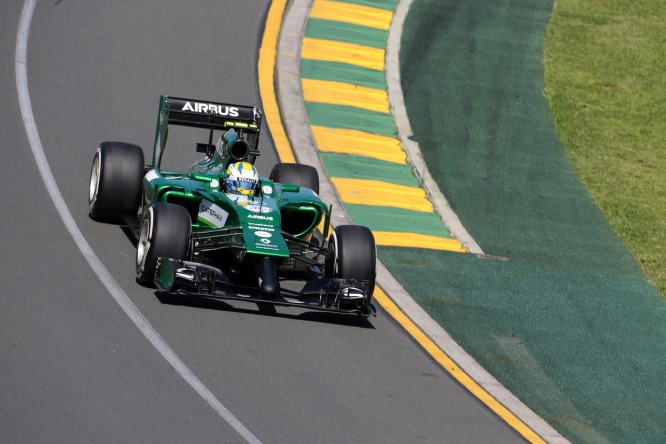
265, 310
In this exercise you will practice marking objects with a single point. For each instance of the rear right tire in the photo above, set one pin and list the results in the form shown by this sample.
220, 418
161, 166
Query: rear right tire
296, 174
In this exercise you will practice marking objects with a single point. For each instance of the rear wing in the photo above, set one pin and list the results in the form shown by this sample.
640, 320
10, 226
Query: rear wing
205, 114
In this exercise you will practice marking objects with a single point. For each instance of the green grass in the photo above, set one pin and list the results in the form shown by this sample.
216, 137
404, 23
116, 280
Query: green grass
605, 69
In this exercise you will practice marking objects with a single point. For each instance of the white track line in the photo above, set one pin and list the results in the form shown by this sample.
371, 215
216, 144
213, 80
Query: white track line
100, 270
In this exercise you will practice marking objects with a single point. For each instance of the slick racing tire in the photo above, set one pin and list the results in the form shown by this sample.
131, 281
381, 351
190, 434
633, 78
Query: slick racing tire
166, 232
115, 181
296, 174
352, 254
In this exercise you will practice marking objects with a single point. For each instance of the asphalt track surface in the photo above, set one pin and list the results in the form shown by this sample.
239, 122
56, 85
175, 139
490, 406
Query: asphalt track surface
74, 366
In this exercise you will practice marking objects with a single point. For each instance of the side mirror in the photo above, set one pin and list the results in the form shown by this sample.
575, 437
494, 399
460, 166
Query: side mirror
206, 148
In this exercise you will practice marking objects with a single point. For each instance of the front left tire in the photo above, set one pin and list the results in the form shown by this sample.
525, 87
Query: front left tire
166, 231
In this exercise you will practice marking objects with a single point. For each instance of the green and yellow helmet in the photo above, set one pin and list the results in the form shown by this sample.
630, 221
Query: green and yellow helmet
241, 178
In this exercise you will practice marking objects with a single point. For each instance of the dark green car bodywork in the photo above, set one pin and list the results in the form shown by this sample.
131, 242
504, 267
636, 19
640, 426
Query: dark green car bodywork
277, 208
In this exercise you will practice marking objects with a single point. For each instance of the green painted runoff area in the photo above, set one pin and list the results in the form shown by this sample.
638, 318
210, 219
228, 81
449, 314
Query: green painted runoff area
562, 316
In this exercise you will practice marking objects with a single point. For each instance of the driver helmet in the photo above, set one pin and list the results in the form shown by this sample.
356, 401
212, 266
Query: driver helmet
241, 178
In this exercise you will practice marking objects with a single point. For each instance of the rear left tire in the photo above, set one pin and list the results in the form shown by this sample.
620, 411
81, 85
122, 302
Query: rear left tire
115, 181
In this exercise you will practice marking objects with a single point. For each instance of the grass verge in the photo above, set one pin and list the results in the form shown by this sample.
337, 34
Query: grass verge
604, 73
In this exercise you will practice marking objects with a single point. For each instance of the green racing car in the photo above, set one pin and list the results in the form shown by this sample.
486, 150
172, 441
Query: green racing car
219, 230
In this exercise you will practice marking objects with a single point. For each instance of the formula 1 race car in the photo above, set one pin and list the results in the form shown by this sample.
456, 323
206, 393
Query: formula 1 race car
195, 237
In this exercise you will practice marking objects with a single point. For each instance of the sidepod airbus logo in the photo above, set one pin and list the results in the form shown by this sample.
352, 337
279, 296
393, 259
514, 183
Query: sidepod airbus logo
211, 108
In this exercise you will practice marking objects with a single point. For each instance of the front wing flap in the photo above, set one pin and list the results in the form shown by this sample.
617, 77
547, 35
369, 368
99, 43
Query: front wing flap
326, 294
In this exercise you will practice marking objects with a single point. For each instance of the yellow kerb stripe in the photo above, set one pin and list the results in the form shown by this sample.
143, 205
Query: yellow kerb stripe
346, 141
386, 194
332, 51
351, 13
415, 240
347, 94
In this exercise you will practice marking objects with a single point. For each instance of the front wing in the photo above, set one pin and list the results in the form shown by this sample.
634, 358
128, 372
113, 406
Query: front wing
325, 294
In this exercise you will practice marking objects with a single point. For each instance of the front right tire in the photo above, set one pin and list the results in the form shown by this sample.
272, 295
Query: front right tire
166, 231
352, 254
296, 174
